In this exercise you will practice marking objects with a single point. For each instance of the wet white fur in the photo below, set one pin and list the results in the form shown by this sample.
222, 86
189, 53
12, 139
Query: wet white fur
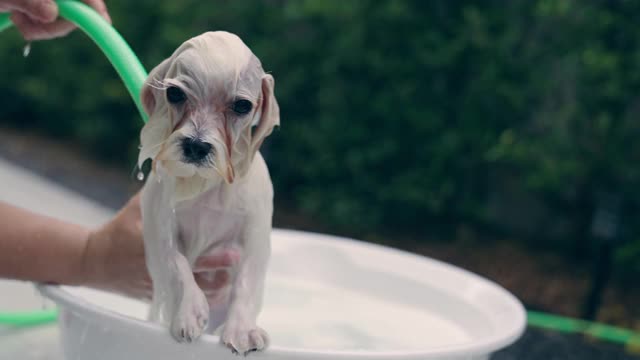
226, 203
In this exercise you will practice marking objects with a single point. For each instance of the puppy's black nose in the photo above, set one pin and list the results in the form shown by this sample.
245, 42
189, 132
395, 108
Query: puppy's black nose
195, 150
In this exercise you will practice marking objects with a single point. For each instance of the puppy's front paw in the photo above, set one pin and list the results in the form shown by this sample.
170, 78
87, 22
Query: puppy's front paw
191, 318
242, 340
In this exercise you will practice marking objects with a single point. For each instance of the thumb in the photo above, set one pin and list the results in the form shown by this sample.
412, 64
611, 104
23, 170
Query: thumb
45, 11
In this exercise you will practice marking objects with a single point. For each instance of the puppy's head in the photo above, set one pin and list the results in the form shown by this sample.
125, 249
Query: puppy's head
210, 106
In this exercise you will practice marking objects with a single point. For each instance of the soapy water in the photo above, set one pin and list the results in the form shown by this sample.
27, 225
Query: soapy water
313, 315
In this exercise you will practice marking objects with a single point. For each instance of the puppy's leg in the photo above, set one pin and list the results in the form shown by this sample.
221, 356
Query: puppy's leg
241, 333
192, 310
176, 296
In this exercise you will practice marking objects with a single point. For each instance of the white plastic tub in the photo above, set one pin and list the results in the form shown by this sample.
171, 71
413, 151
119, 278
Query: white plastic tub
326, 298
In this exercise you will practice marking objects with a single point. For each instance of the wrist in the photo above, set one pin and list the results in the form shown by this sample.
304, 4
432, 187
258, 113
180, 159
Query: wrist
91, 269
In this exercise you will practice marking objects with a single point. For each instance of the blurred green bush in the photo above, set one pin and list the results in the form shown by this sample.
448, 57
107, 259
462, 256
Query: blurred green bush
397, 116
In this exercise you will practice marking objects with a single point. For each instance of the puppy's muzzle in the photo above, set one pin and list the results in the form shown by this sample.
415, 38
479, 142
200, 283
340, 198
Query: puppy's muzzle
195, 151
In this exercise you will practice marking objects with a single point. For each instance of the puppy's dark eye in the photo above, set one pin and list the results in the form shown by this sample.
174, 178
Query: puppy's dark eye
175, 95
242, 106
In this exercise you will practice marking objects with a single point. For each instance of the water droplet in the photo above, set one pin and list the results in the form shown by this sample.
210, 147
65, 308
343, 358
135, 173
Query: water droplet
140, 176
27, 50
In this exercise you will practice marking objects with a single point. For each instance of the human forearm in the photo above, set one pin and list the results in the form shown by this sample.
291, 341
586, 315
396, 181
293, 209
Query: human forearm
38, 248
111, 257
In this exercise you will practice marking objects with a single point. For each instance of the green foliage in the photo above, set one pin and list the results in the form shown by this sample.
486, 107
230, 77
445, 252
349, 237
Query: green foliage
396, 115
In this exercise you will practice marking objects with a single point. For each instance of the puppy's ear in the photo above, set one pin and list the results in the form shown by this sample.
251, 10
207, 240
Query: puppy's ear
266, 117
147, 94
269, 115
157, 129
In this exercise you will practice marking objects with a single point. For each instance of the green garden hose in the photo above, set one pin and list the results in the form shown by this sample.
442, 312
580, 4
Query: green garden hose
597, 330
133, 75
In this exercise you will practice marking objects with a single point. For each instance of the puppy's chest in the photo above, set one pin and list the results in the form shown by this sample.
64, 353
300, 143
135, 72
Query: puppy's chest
206, 229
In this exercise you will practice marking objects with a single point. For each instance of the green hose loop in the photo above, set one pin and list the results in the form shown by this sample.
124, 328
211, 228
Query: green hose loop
30, 318
108, 40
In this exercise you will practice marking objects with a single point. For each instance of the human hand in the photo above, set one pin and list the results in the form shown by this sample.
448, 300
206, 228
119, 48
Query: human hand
114, 259
38, 19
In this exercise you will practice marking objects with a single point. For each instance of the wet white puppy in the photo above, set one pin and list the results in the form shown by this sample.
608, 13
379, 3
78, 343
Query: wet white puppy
210, 106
